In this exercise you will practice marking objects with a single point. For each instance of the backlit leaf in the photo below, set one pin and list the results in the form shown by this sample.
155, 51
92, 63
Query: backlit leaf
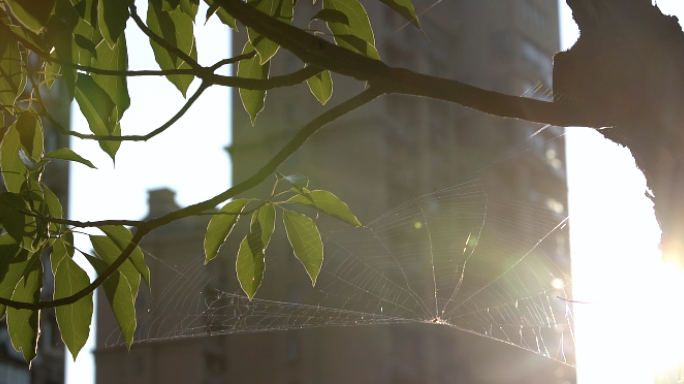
121, 237
111, 18
306, 242
54, 208
297, 180
331, 16
281, 10
176, 28
108, 251
121, 298
21, 227
30, 135
113, 58
13, 169
250, 263
328, 203
190, 7
357, 35
405, 9
13, 259
29, 36
68, 154
222, 14
73, 319
99, 110
87, 38
321, 86
264, 220
252, 100
12, 75
22, 324
220, 226
34, 14
250, 260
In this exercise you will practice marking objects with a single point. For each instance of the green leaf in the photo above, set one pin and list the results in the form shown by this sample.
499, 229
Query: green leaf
31, 135
176, 28
220, 226
170, 5
87, 39
99, 110
29, 36
115, 58
34, 14
252, 100
121, 297
60, 34
405, 9
331, 16
281, 10
22, 324
13, 169
21, 227
263, 221
223, 15
321, 86
190, 7
87, 10
121, 237
250, 264
111, 18
12, 74
306, 242
73, 319
69, 155
13, 260
109, 251
250, 260
328, 203
54, 208
357, 35
297, 180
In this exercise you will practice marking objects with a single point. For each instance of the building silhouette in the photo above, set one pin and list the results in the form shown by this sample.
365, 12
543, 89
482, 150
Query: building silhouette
391, 151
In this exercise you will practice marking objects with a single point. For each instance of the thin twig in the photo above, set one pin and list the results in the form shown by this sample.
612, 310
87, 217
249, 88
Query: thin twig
149, 225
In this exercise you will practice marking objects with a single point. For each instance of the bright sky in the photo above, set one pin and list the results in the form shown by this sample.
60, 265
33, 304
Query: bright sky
614, 234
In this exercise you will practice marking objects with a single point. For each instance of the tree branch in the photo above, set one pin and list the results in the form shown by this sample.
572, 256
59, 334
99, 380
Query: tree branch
314, 50
147, 226
256, 84
203, 87
288, 80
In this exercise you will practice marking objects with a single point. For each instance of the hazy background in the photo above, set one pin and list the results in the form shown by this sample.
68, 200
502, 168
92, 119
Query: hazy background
614, 234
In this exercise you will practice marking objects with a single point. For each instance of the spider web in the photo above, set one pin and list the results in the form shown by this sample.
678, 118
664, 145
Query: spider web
459, 257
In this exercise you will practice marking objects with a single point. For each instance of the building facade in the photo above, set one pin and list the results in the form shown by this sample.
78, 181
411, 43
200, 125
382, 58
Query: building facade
376, 158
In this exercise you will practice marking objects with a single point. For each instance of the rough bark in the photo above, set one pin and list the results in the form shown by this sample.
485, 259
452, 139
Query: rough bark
628, 67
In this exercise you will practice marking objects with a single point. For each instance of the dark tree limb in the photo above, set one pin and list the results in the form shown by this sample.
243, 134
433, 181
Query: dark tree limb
314, 50
628, 67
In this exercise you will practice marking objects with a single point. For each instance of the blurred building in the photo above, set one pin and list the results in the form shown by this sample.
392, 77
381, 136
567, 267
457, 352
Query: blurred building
48, 366
393, 150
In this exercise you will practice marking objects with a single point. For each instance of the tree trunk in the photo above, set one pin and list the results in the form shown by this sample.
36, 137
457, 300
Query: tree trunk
628, 65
